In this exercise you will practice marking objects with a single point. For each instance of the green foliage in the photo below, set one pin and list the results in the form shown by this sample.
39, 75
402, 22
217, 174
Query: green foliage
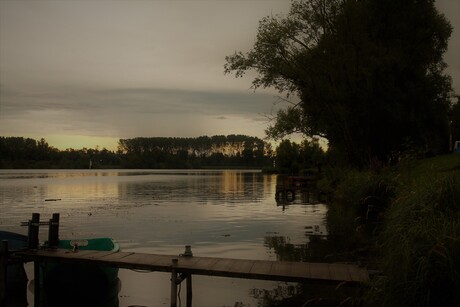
369, 74
421, 246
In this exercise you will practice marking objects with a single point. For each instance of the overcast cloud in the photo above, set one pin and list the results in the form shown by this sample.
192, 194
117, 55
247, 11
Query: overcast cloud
120, 69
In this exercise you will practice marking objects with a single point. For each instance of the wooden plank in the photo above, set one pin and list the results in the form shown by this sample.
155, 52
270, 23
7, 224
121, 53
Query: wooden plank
224, 265
114, 257
243, 267
147, 262
284, 268
261, 267
340, 272
320, 271
205, 263
187, 262
359, 274
306, 269
94, 255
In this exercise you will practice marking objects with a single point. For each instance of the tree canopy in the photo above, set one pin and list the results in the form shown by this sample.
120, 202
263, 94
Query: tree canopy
368, 74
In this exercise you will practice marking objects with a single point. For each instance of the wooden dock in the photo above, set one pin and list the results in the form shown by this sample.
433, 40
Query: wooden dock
181, 267
225, 267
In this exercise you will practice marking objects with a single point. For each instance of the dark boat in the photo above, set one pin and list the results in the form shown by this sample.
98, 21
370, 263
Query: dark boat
16, 286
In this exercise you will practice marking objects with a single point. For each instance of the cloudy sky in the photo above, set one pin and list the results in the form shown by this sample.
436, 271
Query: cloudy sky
82, 73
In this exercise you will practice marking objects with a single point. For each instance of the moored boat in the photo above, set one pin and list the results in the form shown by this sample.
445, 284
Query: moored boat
88, 284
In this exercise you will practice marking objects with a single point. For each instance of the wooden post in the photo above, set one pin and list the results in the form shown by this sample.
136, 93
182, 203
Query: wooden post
37, 286
53, 233
189, 290
174, 283
34, 224
3, 269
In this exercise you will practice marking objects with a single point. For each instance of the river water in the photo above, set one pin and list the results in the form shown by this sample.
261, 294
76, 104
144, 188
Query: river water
220, 213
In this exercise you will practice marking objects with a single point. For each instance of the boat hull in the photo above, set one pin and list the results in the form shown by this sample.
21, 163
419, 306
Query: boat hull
89, 285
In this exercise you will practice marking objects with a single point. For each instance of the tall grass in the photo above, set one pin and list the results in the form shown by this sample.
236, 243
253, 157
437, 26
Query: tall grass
420, 246
362, 197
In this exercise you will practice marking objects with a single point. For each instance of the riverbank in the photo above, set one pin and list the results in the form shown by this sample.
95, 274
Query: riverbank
406, 218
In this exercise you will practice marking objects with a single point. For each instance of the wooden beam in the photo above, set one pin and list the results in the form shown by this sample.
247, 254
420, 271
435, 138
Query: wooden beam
34, 224
53, 232
37, 285
174, 283
189, 290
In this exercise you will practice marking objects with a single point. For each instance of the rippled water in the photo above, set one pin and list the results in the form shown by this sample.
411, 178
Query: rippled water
226, 213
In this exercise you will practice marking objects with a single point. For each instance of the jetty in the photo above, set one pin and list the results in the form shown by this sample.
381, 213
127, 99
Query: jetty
182, 267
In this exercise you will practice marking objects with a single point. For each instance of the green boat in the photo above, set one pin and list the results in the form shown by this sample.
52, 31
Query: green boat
91, 285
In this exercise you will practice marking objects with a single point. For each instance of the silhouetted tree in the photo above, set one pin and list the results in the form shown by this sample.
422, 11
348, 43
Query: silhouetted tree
369, 74
287, 155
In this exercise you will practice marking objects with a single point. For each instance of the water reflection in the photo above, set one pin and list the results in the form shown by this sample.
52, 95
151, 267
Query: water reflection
302, 190
333, 239
220, 213
226, 186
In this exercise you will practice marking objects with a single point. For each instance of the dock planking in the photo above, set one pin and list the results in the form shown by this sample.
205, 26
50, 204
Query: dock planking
224, 267
181, 267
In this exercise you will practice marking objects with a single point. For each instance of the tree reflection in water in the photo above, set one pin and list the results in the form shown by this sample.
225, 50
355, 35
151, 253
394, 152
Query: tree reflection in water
346, 241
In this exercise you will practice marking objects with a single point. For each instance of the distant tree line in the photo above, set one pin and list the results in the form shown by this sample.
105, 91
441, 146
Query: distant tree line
203, 151
142, 152
23, 153
232, 151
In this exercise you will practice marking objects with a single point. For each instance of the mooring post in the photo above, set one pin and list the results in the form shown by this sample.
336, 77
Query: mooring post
53, 233
34, 224
3, 269
174, 283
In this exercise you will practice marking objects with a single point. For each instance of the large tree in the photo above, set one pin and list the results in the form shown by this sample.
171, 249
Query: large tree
368, 74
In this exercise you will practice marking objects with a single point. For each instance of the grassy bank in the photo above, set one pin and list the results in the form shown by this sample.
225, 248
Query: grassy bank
410, 215
420, 245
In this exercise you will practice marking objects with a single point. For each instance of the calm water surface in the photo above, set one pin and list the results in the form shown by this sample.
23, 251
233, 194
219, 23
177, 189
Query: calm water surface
225, 213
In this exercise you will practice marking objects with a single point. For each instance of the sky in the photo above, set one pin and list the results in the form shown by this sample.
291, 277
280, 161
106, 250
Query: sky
87, 73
